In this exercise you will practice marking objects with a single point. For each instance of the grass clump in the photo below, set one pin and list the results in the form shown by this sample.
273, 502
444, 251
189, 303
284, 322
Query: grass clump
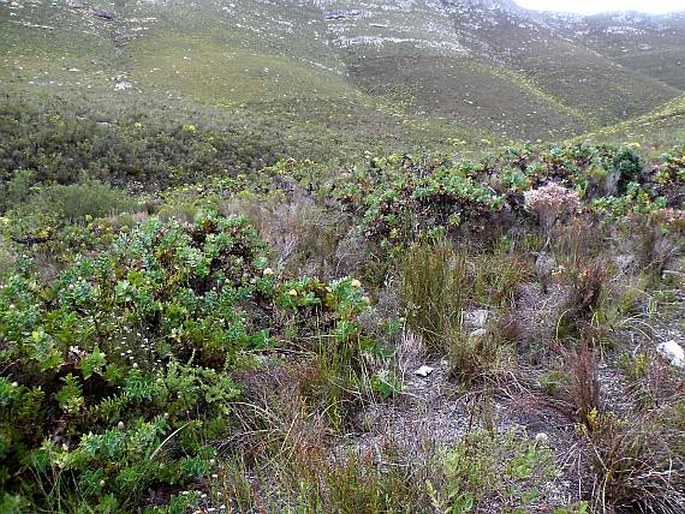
439, 285
435, 291
637, 466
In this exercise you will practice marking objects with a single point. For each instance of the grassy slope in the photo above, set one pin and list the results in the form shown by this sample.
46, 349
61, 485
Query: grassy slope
473, 91
284, 69
658, 53
269, 68
655, 131
418, 55
41, 45
576, 76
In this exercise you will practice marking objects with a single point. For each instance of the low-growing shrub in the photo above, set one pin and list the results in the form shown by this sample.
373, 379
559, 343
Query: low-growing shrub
75, 202
477, 357
552, 204
118, 372
493, 472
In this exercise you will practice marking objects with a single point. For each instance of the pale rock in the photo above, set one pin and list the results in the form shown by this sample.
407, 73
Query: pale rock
477, 318
673, 352
545, 264
478, 333
122, 85
424, 371
541, 437
625, 262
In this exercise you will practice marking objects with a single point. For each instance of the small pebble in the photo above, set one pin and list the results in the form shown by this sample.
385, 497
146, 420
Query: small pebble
541, 437
424, 371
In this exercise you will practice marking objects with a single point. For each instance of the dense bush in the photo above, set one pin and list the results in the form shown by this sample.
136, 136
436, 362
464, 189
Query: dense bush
401, 200
60, 145
667, 177
137, 347
76, 202
628, 165
118, 372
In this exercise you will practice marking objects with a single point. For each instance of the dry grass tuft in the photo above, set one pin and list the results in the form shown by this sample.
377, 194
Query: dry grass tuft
583, 385
635, 467
304, 236
433, 282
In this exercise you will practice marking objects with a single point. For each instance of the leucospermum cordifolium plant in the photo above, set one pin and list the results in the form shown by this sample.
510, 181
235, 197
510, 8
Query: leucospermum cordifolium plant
400, 198
117, 375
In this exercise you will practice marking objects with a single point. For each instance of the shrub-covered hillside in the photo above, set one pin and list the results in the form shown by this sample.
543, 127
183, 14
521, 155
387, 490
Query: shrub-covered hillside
406, 333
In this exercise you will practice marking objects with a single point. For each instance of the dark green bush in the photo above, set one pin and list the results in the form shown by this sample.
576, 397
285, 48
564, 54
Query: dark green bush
73, 203
628, 165
59, 144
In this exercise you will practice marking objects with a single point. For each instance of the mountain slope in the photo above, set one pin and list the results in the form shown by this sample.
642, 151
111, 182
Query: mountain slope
398, 71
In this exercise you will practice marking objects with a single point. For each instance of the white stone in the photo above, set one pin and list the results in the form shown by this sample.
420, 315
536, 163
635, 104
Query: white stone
625, 262
478, 318
120, 86
478, 333
541, 437
673, 352
544, 263
424, 371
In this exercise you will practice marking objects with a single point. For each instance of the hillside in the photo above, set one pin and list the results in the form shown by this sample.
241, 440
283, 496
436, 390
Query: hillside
397, 72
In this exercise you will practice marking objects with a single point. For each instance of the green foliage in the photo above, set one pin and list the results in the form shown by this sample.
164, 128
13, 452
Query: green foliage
133, 314
125, 337
121, 365
78, 201
363, 486
360, 482
667, 177
335, 383
436, 289
581, 508
634, 199
52, 144
627, 163
401, 200
386, 384
435, 292
504, 469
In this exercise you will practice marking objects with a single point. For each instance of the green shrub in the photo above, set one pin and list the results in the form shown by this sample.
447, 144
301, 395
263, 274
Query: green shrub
628, 165
119, 369
76, 202
493, 472
60, 146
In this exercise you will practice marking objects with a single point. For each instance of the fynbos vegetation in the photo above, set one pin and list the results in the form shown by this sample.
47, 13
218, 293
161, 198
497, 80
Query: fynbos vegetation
249, 267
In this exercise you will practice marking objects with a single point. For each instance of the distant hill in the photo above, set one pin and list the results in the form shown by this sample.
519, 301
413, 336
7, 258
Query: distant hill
393, 71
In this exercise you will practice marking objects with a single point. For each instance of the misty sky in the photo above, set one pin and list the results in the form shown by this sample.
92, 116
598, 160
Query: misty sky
596, 6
